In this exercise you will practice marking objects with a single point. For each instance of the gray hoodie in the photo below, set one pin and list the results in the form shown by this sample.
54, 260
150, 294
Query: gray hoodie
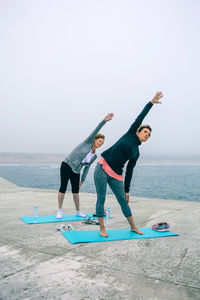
74, 159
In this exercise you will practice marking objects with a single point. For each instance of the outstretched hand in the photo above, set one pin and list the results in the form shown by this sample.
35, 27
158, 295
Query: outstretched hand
109, 117
157, 97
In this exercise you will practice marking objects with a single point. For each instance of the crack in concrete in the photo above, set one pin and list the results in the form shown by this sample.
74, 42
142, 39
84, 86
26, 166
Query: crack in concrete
139, 276
169, 212
25, 247
27, 268
101, 266
53, 255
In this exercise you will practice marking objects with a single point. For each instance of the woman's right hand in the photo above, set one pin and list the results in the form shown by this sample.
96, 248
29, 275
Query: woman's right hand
127, 197
108, 117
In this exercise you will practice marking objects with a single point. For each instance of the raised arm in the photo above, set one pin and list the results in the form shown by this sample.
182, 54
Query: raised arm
136, 124
92, 135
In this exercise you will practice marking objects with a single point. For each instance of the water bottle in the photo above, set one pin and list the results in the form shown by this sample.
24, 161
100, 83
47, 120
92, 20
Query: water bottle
108, 216
35, 212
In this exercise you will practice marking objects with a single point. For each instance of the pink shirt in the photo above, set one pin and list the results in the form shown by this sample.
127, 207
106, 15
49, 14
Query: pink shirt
108, 169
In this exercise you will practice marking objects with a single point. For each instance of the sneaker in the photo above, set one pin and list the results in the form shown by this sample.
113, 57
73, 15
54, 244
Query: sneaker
59, 214
163, 226
167, 228
80, 214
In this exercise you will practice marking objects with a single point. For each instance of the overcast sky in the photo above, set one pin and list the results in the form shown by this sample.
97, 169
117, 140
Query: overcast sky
65, 64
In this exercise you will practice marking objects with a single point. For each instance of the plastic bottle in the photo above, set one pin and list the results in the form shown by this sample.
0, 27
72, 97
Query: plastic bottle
35, 212
108, 215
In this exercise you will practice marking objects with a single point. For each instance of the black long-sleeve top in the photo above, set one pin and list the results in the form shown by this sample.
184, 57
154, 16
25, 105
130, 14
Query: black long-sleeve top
126, 149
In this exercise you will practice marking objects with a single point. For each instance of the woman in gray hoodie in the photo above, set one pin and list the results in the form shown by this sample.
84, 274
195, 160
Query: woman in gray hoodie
82, 156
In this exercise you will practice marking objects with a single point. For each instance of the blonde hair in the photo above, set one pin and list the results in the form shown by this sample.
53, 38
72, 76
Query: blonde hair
99, 136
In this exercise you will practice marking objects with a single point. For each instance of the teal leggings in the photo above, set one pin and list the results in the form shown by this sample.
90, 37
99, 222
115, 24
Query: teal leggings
101, 178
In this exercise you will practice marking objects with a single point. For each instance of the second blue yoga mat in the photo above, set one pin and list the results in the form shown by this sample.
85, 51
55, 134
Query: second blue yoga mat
53, 219
92, 236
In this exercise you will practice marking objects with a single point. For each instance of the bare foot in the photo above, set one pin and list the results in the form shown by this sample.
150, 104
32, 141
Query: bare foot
135, 229
103, 233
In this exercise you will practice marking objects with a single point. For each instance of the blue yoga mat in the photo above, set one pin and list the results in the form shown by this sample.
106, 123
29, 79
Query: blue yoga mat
75, 237
53, 219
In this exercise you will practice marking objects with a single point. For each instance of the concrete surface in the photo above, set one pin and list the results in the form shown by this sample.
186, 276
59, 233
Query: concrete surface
36, 262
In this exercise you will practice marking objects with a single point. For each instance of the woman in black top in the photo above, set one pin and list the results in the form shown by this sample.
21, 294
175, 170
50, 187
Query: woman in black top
110, 167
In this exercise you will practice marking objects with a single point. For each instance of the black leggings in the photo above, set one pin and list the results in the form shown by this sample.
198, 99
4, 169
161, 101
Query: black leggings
67, 174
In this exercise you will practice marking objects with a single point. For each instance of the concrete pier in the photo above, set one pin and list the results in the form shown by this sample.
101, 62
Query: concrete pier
37, 262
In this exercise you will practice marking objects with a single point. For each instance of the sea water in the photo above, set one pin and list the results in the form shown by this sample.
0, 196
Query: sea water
166, 181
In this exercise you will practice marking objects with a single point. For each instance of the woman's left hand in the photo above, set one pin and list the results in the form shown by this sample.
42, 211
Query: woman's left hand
109, 117
80, 185
157, 97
